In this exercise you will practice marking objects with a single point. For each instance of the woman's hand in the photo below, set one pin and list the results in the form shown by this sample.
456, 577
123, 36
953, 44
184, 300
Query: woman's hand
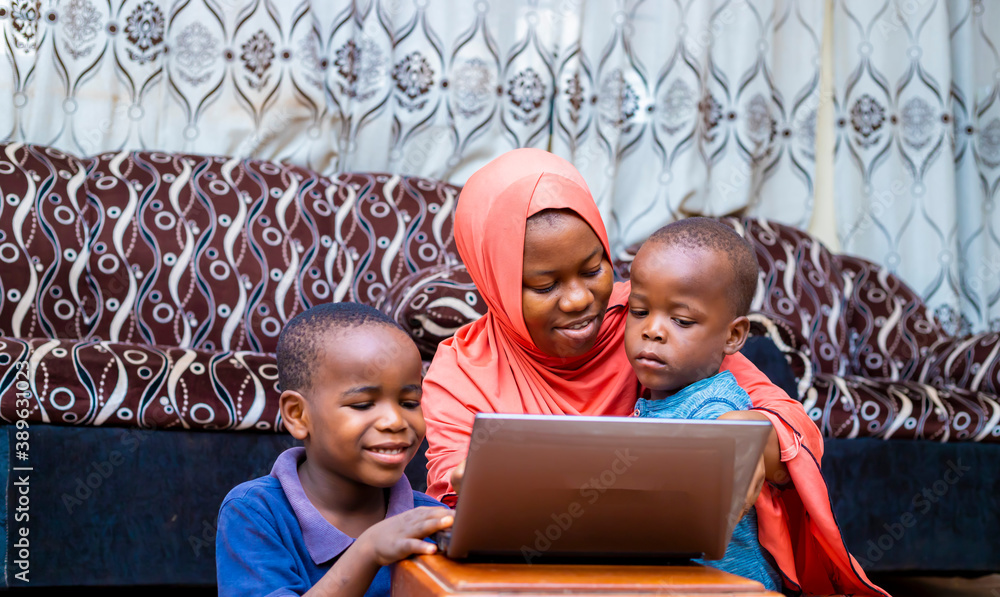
456, 476
769, 467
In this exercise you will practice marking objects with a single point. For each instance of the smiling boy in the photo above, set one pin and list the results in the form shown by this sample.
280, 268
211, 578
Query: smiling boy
333, 515
692, 285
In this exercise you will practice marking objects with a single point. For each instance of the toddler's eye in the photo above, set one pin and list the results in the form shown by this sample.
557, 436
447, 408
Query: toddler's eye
684, 323
360, 405
410, 404
638, 312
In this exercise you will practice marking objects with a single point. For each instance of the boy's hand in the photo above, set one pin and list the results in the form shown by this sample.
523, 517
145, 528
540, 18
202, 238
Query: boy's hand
402, 535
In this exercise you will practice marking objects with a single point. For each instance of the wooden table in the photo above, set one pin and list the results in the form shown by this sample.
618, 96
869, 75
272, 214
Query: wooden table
426, 576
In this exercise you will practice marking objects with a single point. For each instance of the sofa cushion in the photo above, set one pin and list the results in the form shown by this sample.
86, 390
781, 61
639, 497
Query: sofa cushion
43, 243
891, 329
218, 253
433, 303
137, 385
854, 406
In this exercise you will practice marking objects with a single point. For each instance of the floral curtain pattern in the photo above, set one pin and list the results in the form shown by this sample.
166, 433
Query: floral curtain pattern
917, 87
668, 108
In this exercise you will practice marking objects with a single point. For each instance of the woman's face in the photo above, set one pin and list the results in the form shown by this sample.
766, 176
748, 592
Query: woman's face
565, 285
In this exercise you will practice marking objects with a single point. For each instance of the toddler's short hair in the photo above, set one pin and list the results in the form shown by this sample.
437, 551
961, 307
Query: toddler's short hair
301, 341
712, 235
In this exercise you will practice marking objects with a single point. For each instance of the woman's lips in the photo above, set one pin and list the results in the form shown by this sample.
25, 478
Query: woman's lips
578, 333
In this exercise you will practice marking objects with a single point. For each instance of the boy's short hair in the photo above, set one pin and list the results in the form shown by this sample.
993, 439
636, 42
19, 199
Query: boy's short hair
302, 338
713, 235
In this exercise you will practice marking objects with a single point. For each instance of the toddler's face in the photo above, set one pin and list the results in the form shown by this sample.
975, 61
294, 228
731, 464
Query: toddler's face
364, 405
680, 323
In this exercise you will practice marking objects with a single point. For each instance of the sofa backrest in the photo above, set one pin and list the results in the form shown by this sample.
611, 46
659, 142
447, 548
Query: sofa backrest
218, 253
43, 243
802, 287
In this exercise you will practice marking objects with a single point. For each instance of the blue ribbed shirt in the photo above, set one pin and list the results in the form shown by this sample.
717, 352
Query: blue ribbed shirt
707, 399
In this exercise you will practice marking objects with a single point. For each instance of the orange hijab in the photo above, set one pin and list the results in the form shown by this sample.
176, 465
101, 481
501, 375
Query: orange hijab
491, 365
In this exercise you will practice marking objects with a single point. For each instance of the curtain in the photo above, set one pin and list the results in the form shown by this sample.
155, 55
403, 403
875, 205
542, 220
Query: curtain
918, 147
668, 108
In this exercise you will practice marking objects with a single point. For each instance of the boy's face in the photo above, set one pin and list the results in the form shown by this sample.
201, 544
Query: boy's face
680, 323
362, 414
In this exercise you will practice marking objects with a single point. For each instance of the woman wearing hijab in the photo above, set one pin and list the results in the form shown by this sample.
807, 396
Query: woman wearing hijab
552, 342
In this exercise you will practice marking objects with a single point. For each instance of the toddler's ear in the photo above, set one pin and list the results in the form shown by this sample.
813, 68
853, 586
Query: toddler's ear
739, 329
294, 413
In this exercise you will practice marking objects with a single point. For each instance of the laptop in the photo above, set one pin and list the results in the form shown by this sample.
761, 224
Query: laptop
540, 487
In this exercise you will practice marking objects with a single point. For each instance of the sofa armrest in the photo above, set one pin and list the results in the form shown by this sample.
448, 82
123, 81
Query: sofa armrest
971, 363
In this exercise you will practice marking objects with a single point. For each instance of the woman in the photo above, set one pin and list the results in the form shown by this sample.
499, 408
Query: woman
552, 342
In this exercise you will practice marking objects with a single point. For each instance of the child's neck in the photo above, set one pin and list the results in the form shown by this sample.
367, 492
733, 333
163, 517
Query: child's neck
662, 394
348, 505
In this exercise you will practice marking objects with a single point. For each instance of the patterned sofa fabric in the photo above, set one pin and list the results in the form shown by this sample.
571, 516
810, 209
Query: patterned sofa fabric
892, 330
44, 242
145, 289
217, 253
433, 303
167, 278
854, 406
139, 385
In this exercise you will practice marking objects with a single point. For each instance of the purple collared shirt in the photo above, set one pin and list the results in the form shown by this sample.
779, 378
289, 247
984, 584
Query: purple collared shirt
272, 541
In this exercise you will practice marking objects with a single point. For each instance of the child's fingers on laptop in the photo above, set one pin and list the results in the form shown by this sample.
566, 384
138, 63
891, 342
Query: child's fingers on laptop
402, 535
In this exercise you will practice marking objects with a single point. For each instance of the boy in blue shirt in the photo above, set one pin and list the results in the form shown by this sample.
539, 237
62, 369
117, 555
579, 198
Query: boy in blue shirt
692, 285
333, 515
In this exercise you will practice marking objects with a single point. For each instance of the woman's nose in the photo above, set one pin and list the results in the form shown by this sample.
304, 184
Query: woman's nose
577, 297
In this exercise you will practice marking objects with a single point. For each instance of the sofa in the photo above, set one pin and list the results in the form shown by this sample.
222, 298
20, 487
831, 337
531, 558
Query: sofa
141, 295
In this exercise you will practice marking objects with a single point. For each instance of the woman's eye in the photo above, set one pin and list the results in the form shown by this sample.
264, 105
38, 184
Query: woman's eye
594, 273
547, 289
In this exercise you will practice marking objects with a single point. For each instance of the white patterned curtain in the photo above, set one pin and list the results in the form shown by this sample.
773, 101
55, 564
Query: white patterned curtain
703, 107
667, 107
917, 83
